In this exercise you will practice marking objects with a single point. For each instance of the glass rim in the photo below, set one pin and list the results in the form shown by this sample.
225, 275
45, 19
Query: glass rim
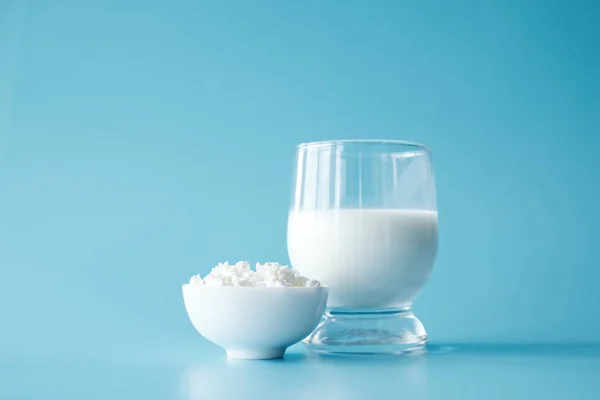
413, 145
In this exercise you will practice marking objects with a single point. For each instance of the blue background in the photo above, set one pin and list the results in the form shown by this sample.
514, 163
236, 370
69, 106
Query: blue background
142, 142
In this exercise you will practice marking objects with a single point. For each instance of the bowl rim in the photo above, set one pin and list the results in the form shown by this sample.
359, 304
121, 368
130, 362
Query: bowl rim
186, 285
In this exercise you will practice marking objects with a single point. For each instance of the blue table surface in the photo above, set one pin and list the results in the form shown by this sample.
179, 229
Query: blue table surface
201, 371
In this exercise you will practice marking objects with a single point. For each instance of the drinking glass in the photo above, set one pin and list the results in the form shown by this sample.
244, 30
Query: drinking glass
363, 220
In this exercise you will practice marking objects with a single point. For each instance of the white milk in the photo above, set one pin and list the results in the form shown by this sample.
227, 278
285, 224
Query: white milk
370, 258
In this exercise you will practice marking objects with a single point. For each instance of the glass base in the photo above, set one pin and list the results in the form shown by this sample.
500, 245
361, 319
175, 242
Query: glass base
374, 332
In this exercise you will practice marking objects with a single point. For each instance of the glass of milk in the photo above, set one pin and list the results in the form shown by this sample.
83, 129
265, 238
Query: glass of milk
363, 220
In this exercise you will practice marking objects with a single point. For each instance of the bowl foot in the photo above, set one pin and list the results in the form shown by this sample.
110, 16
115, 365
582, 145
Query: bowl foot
380, 332
255, 354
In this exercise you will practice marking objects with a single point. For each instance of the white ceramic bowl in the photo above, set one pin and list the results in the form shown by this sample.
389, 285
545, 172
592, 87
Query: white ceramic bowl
254, 322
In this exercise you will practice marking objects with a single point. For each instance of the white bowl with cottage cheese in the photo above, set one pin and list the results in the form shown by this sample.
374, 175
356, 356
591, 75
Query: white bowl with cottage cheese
254, 314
